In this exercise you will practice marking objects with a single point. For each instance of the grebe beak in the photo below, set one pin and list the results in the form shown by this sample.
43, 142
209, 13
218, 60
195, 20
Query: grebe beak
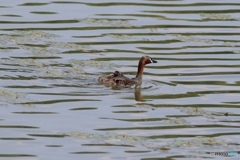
112, 75
153, 61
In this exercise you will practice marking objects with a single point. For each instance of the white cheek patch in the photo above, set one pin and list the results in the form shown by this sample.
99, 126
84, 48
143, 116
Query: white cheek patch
151, 61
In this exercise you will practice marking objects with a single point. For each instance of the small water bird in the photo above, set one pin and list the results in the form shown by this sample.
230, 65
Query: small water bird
118, 79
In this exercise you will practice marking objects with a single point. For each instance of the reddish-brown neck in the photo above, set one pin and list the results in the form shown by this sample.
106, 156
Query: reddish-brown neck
140, 69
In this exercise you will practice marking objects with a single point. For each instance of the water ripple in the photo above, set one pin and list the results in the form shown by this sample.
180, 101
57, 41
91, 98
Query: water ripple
52, 53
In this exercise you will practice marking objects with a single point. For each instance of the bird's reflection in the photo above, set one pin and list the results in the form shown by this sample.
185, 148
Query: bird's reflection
138, 94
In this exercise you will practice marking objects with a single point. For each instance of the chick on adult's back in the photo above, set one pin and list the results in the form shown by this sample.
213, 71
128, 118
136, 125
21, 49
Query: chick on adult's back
118, 79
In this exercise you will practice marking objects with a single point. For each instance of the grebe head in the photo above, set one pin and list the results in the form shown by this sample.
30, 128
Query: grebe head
146, 60
115, 74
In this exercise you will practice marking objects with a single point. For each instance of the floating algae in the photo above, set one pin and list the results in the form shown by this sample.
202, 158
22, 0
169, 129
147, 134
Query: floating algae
73, 72
201, 143
9, 97
39, 43
237, 51
53, 73
109, 138
72, 46
123, 37
27, 37
105, 21
84, 135
198, 142
9, 94
217, 16
195, 111
123, 139
6, 40
40, 51
199, 111
17, 39
231, 44
144, 105
177, 121
208, 41
34, 35
195, 39
55, 48
23, 62
127, 37
92, 63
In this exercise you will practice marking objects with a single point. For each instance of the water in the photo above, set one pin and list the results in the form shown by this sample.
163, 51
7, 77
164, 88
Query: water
52, 53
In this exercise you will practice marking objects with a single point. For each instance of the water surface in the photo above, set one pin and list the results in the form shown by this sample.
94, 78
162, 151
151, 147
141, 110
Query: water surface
52, 53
